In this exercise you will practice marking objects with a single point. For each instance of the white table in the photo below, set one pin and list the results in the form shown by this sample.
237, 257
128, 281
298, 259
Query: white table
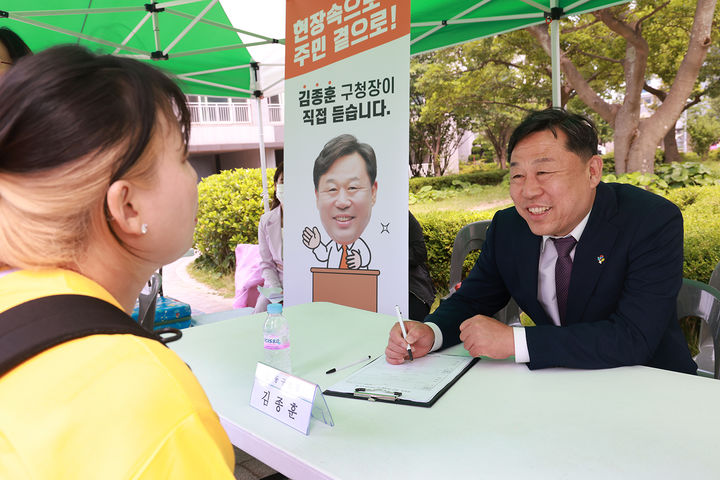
500, 420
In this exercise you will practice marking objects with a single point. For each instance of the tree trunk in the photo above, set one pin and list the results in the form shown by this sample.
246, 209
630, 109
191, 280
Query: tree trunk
503, 157
653, 129
671, 149
635, 139
433, 146
503, 152
500, 155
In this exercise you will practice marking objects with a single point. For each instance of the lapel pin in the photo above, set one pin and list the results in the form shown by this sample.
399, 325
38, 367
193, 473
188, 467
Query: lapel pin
601, 259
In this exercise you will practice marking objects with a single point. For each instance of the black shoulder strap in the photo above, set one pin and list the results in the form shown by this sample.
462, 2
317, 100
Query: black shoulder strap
33, 327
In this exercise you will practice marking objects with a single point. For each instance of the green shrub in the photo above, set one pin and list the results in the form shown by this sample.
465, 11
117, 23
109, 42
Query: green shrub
685, 174
667, 176
481, 177
659, 156
690, 157
608, 163
440, 229
700, 207
648, 181
427, 193
476, 163
230, 206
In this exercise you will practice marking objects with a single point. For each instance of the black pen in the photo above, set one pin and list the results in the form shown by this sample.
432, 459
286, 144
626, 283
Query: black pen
337, 369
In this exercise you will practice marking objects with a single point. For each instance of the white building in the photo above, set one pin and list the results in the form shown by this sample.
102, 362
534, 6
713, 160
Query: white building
225, 133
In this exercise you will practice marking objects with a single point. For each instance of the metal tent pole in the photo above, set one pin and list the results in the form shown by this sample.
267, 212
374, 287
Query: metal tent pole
263, 165
555, 14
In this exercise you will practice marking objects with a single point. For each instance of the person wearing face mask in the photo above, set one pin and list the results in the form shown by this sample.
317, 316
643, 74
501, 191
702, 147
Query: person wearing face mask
270, 241
12, 48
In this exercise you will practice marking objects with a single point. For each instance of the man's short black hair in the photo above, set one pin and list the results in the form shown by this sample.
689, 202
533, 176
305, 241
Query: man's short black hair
341, 146
14, 44
582, 136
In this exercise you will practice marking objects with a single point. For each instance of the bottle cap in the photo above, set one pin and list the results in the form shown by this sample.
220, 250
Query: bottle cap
274, 308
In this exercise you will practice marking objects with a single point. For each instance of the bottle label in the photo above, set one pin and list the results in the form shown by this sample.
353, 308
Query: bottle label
273, 342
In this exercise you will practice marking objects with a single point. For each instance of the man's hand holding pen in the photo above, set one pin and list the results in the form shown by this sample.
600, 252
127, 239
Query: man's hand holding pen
420, 337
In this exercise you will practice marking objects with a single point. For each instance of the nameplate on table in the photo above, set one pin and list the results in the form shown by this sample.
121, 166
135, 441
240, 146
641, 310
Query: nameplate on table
288, 398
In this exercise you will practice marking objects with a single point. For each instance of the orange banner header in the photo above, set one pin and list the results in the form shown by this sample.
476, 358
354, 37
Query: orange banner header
321, 32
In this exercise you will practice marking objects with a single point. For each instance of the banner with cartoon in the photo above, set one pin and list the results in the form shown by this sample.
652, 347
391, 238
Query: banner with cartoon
345, 213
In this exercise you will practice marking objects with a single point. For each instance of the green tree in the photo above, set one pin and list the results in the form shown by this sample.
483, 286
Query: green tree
664, 64
488, 84
616, 47
704, 130
436, 128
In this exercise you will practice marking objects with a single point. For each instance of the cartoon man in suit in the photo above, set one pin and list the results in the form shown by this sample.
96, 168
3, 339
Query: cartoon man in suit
345, 190
596, 266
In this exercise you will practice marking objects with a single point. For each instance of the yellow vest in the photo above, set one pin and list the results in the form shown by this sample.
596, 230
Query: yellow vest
103, 406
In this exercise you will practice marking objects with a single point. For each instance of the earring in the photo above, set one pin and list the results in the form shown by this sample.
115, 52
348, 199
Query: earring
143, 228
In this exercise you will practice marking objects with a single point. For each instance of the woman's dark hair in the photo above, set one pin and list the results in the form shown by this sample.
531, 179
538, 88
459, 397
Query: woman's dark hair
15, 46
278, 171
71, 124
339, 147
582, 137
66, 103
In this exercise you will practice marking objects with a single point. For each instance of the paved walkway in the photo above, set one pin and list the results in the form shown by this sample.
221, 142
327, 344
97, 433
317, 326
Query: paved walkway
178, 284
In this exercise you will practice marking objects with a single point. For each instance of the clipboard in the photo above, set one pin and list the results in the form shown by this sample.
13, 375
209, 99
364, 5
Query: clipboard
440, 372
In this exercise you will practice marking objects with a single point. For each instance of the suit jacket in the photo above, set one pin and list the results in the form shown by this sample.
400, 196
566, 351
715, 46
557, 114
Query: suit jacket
626, 275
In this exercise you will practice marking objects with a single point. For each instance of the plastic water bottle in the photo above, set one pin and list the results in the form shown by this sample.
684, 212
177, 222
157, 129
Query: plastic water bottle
277, 339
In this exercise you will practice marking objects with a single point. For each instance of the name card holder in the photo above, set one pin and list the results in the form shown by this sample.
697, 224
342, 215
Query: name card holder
289, 399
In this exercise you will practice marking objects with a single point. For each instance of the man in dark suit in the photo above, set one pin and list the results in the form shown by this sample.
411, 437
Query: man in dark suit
597, 267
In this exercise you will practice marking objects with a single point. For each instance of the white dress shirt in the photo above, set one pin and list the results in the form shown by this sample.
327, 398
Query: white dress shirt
331, 253
546, 291
547, 295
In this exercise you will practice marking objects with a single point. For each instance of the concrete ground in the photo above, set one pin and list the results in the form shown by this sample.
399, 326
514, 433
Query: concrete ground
178, 284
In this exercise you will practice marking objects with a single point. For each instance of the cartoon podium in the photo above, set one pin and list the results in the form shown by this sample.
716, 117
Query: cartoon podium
352, 288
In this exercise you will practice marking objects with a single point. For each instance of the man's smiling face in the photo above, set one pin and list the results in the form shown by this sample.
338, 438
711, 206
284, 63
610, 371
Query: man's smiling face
552, 188
345, 198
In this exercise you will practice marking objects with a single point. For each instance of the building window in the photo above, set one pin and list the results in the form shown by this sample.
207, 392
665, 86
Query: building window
275, 109
205, 109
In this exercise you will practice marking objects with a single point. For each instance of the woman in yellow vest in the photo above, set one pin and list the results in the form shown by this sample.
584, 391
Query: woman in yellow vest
96, 193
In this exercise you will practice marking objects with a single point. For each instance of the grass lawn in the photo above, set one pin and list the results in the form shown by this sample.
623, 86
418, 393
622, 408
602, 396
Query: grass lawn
223, 284
478, 197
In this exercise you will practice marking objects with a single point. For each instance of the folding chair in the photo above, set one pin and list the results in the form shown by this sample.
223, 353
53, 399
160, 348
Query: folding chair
147, 302
715, 277
470, 238
697, 299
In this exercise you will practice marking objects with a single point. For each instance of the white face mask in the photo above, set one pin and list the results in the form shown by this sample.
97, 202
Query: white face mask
280, 192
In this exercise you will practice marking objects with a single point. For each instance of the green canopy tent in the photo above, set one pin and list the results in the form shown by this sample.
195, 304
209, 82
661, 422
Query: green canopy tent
194, 40
437, 23
191, 39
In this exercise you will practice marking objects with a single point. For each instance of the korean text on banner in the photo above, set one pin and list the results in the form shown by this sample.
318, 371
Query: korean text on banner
346, 152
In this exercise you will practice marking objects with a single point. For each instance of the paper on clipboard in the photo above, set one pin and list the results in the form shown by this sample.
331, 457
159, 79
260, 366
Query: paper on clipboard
420, 382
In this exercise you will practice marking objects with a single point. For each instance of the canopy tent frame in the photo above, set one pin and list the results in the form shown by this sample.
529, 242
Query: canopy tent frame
550, 12
153, 10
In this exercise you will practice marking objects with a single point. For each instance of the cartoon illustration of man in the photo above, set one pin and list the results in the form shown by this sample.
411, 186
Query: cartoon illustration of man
345, 189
